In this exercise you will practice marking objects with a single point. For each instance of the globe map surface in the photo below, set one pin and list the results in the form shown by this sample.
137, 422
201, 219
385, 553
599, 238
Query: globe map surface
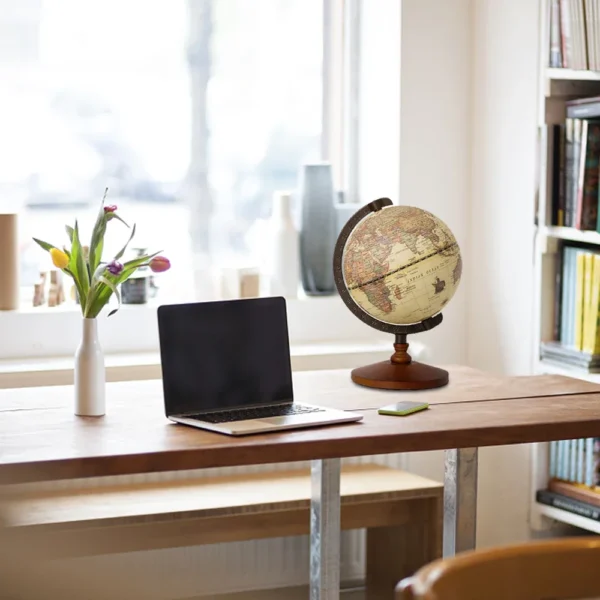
401, 265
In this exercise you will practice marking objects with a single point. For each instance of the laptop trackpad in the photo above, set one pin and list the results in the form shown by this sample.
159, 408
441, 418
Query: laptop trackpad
314, 417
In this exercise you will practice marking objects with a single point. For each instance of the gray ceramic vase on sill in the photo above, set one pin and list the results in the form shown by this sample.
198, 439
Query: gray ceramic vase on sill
318, 227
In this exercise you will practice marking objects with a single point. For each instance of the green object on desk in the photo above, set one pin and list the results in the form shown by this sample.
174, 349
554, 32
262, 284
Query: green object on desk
401, 409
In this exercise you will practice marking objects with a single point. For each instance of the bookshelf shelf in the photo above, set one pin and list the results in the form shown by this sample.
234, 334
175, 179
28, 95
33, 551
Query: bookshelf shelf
564, 516
572, 75
571, 234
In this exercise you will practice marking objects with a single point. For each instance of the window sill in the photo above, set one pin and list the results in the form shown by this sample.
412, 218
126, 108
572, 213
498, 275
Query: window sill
146, 365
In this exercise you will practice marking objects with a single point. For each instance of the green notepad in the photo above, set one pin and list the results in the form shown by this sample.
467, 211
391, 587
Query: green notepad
401, 409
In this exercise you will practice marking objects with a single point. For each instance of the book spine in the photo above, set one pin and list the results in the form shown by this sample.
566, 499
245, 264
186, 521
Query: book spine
565, 302
573, 506
591, 163
554, 142
589, 462
587, 327
555, 59
561, 177
558, 297
589, 33
572, 292
594, 305
579, 300
585, 33
580, 170
560, 455
553, 460
565, 34
569, 170
581, 460
573, 465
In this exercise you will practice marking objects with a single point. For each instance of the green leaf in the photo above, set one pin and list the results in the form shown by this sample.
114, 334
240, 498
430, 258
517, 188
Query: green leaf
140, 261
122, 251
79, 268
69, 231
45, 245
114, 290
114, 215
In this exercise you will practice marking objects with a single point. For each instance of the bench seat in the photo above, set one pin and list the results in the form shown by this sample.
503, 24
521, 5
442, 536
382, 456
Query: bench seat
401, 512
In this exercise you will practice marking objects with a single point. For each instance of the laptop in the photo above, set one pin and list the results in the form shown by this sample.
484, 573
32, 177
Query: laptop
226, 367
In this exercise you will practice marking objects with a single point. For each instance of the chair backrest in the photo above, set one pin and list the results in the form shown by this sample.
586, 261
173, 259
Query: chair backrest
565, 569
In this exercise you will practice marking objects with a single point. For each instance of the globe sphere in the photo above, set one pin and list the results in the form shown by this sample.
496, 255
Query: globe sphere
401, 265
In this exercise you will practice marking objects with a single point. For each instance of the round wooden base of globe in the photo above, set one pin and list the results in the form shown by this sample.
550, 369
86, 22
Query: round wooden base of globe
387, 375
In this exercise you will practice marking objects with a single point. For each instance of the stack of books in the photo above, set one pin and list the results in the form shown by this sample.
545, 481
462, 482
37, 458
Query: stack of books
574, 477
575, 150
574, 34
577, 311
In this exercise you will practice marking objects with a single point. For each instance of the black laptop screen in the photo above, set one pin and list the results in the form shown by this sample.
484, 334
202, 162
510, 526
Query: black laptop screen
224, 354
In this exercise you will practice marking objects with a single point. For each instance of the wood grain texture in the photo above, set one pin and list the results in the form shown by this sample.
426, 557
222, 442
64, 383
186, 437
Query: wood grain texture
41, 439
221, 496
217, 510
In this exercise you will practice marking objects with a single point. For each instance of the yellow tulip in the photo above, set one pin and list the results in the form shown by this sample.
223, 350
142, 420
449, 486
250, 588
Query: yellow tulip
59, 258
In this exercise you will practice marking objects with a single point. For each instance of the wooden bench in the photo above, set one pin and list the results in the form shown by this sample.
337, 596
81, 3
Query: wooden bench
401, 512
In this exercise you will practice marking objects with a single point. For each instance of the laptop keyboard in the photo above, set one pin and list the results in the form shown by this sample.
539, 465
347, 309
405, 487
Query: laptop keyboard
243, 414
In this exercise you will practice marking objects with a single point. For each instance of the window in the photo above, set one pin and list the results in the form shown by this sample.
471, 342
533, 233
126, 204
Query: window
191, 112
192, 128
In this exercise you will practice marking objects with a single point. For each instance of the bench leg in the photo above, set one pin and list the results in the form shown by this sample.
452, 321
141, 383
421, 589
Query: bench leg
460, 500
396, 552
325, 530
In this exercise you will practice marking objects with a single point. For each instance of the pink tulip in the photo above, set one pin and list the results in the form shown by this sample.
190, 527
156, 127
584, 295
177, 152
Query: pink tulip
159, 264
111, 208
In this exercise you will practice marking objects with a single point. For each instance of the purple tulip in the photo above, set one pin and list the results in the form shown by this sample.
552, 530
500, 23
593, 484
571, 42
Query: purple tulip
159, 264
111, 208
114, 267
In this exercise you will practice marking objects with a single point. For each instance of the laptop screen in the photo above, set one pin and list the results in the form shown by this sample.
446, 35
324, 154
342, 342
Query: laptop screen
218, 355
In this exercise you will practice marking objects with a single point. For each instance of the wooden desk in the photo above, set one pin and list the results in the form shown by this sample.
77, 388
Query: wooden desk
41, 439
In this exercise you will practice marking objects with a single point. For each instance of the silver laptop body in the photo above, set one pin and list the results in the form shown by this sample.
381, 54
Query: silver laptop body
226, 367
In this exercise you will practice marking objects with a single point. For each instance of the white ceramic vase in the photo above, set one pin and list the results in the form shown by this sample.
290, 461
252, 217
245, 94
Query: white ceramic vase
90, 376
284, 268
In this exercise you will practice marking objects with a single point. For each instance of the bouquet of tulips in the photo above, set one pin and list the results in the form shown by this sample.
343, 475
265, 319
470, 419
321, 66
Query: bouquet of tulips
95, 280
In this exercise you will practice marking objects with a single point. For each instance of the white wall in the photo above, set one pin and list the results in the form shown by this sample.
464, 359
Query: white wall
468, 100
500, 324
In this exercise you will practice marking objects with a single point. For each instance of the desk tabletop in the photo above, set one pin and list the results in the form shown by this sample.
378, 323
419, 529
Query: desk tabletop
41, 438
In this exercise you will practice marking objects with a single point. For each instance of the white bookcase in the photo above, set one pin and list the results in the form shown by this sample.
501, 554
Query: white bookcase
555, 87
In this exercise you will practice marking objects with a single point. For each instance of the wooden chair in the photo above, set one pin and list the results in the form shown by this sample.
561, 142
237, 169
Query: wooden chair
564, 569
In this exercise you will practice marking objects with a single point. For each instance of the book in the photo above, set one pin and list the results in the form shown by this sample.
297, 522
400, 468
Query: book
581, 262
591, 328
576, 491
553, 460
587, 192
569, 172
555, 59
576, 507
589, 462
565, 34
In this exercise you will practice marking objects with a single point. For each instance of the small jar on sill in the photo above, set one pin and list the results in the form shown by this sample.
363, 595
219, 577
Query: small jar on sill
136, 289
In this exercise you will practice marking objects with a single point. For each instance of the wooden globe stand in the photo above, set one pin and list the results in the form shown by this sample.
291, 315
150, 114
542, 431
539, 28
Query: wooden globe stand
400, 372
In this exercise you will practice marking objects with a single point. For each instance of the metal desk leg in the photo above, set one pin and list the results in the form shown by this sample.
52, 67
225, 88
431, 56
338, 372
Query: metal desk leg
460, 500
325, 530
